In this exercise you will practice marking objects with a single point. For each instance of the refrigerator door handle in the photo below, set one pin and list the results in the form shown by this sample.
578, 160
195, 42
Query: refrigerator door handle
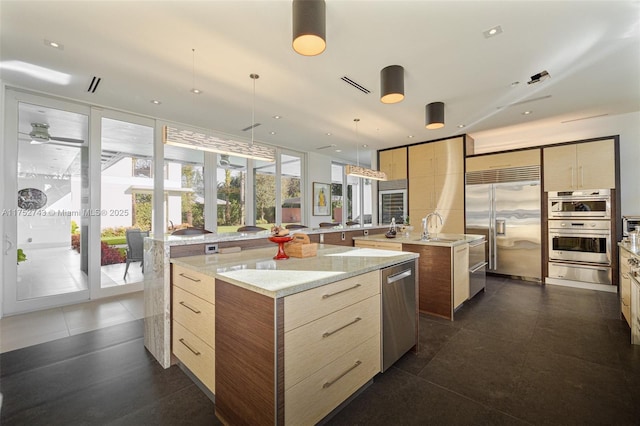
501, 227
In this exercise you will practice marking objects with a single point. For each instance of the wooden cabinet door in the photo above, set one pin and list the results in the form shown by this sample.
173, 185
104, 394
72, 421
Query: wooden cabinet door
421, 193
460, 274
449, 192
505, 160
449, 156
394, 163
560, 168
421, 160
596, 165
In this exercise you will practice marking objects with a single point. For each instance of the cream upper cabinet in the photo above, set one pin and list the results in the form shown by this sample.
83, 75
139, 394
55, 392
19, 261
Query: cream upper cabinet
436, 182
504, 160
588, 165
394, 163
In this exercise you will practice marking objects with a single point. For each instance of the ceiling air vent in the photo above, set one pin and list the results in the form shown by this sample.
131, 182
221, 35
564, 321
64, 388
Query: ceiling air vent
356, 85
251, 127
94, 84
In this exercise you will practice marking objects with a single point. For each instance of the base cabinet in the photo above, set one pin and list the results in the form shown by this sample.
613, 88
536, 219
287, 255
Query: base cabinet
635, 311
193, 323
444, 278
293, 360
625, 285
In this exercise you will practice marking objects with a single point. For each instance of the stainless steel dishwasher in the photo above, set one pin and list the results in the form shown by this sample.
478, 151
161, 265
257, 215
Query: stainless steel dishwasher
399, 314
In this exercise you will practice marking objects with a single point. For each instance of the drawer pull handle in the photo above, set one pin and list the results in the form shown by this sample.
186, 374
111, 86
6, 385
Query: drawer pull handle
326, 296
190, 308
197, 280
329, 333
327, 384
196, 353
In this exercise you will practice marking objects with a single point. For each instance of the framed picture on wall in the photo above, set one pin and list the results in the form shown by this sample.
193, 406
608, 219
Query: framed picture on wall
321, 199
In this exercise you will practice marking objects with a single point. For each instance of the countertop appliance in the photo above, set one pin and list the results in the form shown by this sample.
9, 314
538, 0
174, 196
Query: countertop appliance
477, 267
399, 311
592, 204
504, 205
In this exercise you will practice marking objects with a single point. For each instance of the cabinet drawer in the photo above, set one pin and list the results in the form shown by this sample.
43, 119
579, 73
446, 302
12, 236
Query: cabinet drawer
379, 245
312, 399
196, 355
309, 305
203, 286
195, 314
310, 347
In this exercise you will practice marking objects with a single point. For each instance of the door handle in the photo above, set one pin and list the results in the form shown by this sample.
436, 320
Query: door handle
501, 225
6, 238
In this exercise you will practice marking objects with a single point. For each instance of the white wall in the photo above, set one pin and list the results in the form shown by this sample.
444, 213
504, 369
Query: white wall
318, 170
544, 133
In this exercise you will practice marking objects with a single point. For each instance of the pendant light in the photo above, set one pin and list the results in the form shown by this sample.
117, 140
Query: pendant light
362, 172
391, 84
222, 144
434, 117
309, 27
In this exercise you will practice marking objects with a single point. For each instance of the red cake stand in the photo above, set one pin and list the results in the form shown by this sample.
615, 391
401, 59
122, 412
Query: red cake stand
280, 241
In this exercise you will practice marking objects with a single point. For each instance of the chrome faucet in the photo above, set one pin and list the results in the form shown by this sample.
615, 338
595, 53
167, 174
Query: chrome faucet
425, 224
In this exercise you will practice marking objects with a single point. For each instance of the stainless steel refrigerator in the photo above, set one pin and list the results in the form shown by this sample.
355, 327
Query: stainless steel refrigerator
506, 208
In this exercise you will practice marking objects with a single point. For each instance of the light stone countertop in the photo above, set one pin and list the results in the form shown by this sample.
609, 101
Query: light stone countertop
625, 245
256, 270
183, 240
448, 240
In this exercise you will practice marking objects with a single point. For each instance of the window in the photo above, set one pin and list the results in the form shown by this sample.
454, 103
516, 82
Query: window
231, 179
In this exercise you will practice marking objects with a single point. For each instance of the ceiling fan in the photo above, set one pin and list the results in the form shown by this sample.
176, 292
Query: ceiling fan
40, 134
226, 163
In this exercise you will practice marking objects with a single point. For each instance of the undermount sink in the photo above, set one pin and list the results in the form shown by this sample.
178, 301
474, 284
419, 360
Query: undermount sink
437, 239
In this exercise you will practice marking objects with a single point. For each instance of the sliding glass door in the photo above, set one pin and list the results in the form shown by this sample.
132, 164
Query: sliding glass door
45, 207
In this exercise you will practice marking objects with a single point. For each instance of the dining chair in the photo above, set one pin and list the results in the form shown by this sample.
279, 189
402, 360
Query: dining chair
329, 224
251, 228
295, 226
191, 231
135, 248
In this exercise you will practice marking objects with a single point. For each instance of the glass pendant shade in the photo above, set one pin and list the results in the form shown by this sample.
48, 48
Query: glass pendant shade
309, 27
434, 117
391, 84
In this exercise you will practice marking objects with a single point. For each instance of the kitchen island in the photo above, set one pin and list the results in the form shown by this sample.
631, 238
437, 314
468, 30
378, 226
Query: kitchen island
292, 339
443, 267
159, 250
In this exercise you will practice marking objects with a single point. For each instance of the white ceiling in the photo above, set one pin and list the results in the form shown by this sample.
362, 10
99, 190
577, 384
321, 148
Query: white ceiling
142, 50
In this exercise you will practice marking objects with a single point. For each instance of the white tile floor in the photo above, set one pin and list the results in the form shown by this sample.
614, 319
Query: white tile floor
29, 329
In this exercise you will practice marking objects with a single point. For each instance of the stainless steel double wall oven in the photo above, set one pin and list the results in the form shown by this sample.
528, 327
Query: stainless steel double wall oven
580, 236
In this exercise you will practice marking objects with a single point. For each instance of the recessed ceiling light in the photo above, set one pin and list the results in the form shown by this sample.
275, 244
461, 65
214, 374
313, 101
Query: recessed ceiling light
365, 145
515, 83
155, 102
527, 112
277, 117
328, 133
460, 126
196, 91
492, 31
410, 136
338, 150
54, 44
272, 133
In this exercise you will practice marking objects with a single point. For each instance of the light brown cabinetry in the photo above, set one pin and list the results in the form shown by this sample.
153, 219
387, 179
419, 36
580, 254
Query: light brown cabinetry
378, 245
587, 165
293, 360
193, 323
625, 285
444, 277
394, 163
332, 346
504, 160
460, 280
436, 182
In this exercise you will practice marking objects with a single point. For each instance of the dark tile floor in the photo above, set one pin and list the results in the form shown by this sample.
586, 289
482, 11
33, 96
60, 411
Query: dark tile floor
518, 354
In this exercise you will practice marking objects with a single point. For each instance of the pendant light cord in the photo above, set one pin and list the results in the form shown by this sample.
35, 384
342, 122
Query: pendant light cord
356, 120
254, 77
